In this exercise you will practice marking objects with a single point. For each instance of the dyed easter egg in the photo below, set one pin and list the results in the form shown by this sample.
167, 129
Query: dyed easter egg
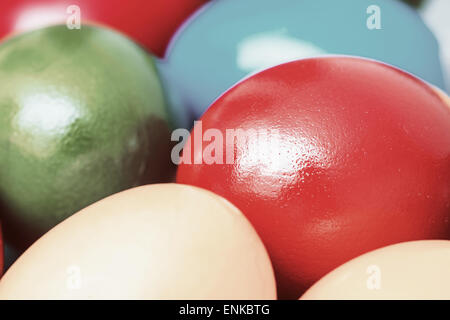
329, 158
228, 40
149, 22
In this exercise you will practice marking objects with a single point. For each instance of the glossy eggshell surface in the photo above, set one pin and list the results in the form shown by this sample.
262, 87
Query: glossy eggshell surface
351, 155
227, 40
410, 270
82, 116
154, 242
149, 22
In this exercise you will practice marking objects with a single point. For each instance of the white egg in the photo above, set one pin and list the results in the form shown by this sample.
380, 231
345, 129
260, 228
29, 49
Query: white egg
164, 241
409, 270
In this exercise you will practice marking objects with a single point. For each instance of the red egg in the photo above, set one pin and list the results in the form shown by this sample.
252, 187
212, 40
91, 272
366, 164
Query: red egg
149, 22
346, 155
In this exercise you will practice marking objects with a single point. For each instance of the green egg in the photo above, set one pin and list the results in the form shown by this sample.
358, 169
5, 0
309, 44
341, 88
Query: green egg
82, 116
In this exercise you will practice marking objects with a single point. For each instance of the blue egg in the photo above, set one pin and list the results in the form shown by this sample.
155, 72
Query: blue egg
227, 40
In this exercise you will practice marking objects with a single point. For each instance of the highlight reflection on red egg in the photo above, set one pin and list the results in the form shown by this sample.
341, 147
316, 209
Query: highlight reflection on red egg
361, 160
149, 22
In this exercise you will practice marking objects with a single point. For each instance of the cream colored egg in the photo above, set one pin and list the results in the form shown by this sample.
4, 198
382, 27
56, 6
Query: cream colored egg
409, 270
166, 241
443, 96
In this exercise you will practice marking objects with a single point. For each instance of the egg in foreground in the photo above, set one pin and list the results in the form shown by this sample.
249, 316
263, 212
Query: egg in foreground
409, 270
329, 158
164, 241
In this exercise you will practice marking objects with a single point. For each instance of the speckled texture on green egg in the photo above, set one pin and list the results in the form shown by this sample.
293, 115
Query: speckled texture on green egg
82, 116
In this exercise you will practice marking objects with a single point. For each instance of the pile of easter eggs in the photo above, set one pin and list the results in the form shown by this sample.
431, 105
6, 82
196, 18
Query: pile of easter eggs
222, 149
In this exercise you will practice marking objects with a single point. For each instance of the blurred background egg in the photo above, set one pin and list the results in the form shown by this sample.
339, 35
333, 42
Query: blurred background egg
227, 40
436, 15
409, 270
162, 241
151, 23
